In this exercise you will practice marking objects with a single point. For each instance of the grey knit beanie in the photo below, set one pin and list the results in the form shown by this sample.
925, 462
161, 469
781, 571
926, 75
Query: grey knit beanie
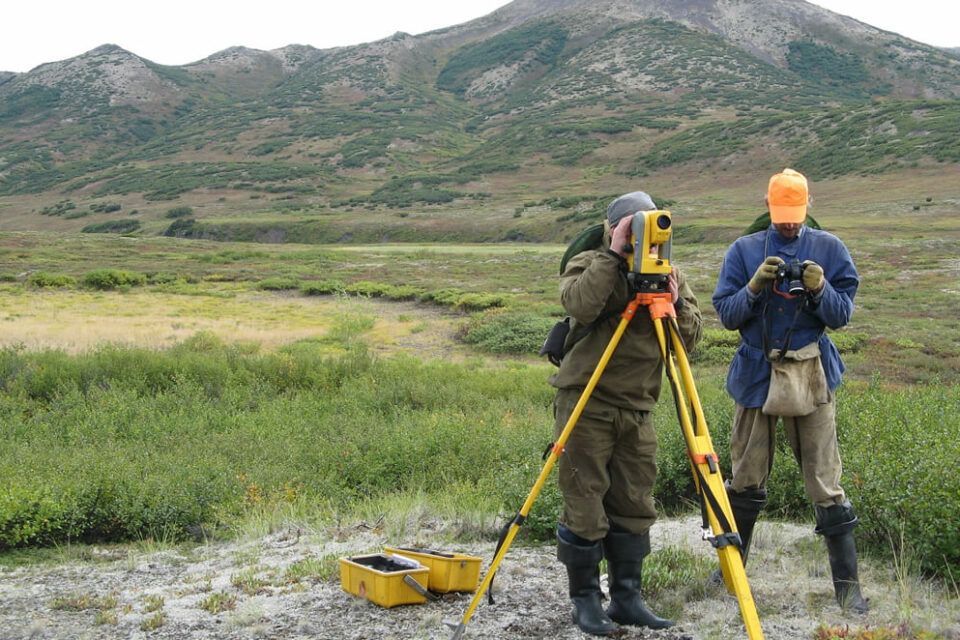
627, 204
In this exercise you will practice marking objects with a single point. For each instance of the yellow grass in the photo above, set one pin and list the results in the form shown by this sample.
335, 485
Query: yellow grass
76, 321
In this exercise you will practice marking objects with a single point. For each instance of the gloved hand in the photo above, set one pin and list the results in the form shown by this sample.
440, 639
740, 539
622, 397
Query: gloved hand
621, 236
766, 273
812, 276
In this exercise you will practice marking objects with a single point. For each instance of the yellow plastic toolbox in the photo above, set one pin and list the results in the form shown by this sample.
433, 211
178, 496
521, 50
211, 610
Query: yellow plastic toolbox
384, 579
448, 571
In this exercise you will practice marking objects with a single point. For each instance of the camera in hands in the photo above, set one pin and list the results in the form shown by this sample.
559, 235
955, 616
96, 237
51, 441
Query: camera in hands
791, 274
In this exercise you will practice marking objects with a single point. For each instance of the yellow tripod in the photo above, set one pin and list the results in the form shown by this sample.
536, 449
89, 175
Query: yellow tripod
703, 460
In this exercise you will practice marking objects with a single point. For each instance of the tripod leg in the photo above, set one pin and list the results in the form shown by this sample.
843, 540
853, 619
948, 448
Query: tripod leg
706, 470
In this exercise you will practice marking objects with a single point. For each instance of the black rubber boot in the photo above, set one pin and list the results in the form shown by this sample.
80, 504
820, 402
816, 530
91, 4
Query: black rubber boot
583, 573
835, 524
625, 553
746, 506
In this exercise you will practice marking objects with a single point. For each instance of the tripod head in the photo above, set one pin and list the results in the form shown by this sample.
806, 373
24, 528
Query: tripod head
649, 263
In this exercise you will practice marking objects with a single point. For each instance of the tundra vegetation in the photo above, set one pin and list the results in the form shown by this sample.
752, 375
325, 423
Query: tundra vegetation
188, 430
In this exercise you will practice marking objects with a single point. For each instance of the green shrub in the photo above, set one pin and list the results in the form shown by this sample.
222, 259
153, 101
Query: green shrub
321, 287
500, 331
122, 443
278, 284
848, 342
716, 347
113, 279
462, 300
381, 290
179, 212
165, 277
899, 447
182, 227
59, 208
112, 226
105, 207
47, 280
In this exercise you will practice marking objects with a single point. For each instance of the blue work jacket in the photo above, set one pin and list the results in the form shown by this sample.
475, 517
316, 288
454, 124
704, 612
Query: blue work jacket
753, 314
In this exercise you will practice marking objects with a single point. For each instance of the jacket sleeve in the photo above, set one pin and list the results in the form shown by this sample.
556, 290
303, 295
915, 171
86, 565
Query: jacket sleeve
689, 318
734, 302
834, 305
587, 283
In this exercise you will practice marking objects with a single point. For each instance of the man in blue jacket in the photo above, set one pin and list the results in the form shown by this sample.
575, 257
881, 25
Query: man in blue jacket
753, 296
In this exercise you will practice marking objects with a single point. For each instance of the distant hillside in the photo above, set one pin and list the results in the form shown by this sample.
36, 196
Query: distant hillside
527, 92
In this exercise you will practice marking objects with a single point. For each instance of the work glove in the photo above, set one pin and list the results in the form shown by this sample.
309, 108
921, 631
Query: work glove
620, 239
812, 276
766, 273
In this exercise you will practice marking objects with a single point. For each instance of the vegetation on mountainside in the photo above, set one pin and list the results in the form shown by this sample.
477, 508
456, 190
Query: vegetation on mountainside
646, 95
538, 44
826, 143
826, 66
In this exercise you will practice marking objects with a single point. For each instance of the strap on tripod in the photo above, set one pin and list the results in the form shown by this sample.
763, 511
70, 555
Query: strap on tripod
518, 520
728, 536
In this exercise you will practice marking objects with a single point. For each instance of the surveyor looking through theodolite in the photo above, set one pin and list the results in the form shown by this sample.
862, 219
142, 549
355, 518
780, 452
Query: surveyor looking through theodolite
608, 470
781, 288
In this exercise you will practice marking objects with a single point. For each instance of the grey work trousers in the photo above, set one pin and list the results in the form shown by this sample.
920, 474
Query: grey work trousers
608, 467
813, 439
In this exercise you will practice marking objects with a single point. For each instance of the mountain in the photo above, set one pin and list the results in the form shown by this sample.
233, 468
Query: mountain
467, 115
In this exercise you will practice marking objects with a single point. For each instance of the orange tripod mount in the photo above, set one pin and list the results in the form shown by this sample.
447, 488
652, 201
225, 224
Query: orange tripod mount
703, 460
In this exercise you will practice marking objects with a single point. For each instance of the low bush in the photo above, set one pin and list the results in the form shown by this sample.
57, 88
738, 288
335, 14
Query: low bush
165, 278
278, 284
112, 226
105, 207
47, 280
381, 290
178, 212
122, 443
462, 300
105, 279
321, 287
500, 331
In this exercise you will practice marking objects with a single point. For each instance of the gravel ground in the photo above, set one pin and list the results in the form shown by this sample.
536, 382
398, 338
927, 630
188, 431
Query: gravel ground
157, 595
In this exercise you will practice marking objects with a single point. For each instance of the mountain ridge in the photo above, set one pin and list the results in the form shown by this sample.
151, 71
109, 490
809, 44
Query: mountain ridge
534, 89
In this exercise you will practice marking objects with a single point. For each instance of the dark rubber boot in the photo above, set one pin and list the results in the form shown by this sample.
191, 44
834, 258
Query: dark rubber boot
746, 506
583, 573
625, 553
843, 566
835, 524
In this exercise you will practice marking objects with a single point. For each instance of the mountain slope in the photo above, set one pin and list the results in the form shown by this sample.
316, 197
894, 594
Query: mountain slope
529, 90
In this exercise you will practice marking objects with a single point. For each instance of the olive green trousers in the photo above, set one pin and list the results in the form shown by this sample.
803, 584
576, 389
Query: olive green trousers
812, 438
607, 469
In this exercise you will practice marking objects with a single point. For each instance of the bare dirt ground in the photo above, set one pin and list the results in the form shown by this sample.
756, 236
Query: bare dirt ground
117, 592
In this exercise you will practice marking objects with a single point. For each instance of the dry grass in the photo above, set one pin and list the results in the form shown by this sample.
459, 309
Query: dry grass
76, 321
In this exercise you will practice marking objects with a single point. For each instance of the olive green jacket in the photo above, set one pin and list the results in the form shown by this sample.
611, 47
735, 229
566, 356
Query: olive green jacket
595, 283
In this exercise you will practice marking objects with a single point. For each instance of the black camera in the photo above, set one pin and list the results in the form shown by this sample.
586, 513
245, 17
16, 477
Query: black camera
792, 274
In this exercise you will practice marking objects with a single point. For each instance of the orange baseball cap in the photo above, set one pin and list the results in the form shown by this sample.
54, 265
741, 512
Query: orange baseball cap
787, 197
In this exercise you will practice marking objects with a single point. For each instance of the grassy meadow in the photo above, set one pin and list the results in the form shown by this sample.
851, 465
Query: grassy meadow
160, 388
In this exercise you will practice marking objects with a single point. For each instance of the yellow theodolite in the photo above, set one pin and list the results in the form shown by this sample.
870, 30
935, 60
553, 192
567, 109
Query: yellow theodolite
649, 273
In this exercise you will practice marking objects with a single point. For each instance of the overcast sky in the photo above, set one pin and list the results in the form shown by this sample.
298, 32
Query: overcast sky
176, 32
